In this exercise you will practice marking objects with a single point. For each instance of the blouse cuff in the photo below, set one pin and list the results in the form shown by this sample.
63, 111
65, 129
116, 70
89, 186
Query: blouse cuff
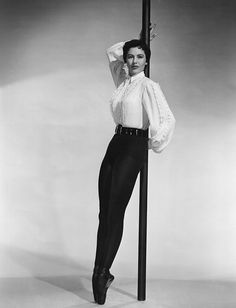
156, 146
115, 52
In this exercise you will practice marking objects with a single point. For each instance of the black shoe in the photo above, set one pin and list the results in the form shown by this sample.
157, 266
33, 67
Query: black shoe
94, 282
104, 281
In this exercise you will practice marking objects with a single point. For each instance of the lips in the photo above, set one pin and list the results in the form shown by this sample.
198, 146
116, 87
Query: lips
134, 66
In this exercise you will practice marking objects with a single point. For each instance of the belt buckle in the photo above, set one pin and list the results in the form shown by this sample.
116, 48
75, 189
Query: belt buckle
118, 129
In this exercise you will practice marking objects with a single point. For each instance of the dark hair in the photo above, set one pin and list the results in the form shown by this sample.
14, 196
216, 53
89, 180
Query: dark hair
136, 43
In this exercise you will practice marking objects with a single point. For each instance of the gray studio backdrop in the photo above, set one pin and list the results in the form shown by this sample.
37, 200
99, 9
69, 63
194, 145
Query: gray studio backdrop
55, 124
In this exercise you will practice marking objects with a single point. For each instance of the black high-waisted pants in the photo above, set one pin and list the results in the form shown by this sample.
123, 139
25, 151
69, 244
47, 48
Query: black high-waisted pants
122, 162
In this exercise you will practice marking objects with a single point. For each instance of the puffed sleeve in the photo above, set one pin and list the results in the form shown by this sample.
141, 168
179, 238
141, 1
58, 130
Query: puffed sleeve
161, 119
116, 63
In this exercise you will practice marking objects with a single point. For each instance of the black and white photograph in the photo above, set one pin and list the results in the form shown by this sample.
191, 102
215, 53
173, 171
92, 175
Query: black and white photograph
117, 153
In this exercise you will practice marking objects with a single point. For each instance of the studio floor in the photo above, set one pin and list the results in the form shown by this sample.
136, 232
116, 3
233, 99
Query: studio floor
75, 291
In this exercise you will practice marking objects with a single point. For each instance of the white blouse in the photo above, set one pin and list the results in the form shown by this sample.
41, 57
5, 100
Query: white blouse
139, 102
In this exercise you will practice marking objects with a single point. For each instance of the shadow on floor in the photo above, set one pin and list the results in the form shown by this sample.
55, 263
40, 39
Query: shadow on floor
45, 268
59, 271
72, 284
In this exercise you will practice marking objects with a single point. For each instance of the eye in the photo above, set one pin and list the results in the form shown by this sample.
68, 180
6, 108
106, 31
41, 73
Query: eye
140, 56
129, 56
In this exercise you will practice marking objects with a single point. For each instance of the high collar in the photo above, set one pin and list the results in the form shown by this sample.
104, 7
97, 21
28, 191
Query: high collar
137, 76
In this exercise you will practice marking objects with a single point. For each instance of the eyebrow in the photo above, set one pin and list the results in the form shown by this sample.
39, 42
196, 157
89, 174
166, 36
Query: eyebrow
139, 54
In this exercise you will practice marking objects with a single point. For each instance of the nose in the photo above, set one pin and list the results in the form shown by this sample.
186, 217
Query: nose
134, 60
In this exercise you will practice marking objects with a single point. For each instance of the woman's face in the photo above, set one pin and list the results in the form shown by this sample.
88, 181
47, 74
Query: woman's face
136, 60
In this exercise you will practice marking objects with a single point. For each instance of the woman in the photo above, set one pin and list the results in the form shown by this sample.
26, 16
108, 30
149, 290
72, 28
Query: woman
136, 105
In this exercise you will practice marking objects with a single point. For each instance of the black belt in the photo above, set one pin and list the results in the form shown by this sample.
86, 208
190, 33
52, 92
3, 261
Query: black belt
130, 131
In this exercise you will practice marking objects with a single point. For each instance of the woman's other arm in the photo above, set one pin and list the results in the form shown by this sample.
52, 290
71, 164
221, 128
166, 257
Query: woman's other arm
161, 119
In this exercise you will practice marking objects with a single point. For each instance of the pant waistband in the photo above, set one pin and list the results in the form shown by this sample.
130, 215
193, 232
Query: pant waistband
130, 131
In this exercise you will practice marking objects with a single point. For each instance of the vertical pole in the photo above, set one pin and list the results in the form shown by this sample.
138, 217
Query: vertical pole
142, 246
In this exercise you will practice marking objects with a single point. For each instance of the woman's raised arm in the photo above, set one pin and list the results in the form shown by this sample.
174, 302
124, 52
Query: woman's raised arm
116, 63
